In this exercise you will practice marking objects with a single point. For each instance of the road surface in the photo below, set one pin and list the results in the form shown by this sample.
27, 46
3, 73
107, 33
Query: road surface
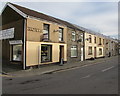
99, 78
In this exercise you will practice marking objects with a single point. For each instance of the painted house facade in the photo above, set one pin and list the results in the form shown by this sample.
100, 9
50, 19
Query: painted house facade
94, 47
98, 45
33, 41
111, 47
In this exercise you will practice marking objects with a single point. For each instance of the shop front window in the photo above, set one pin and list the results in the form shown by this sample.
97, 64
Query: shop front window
46, 53
17, 53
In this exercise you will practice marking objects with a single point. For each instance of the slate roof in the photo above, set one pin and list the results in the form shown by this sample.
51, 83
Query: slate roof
36, 14
39, 15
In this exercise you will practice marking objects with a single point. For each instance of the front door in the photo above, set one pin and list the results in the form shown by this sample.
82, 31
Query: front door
61, 54
94, 52
81, 53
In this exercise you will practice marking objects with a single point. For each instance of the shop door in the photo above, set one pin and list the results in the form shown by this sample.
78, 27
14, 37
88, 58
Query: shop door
61, 54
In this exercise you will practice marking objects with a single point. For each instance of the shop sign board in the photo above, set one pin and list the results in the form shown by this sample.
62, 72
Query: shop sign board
7, 33
33, 29
12, 42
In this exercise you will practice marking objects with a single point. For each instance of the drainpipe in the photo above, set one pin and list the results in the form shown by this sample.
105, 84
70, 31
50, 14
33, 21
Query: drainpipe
84, 46
24, 44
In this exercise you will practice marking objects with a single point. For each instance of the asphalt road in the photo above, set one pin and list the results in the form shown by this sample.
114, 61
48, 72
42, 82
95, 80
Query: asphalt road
99, 78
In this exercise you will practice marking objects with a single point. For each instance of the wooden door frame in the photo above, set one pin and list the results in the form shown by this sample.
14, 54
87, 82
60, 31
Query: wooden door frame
61, 52
95, 51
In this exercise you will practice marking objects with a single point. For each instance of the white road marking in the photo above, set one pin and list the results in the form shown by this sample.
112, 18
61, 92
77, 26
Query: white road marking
107, 69
85, 77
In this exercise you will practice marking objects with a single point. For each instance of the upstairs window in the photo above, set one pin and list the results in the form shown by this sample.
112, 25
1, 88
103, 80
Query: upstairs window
46, 31
60, 34
103, 41
81, 37
73, 36
99, 41
90, 39
95, 40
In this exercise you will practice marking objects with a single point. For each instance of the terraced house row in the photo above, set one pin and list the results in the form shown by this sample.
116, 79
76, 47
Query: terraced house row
30, 38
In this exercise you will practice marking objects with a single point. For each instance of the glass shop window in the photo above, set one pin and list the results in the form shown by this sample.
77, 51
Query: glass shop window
46, 53
17, 53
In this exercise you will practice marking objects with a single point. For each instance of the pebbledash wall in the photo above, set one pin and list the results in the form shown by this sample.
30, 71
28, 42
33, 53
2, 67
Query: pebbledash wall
75, 45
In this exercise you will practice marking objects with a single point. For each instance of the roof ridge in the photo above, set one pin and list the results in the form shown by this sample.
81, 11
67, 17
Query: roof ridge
43, 16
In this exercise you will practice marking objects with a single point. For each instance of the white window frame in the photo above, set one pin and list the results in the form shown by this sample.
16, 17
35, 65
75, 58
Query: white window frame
73, 35
61, 31
100, 51
90, 50
74, 48
46, 31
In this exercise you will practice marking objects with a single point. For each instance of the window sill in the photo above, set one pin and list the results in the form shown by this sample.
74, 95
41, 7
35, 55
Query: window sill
74, 57
15, 61
46, 40
89, 54
73, 40
61, 41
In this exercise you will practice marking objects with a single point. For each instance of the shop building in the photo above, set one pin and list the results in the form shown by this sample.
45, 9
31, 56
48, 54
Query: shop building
30, 38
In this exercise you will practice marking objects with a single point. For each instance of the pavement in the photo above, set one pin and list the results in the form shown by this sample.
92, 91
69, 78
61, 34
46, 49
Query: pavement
52, 69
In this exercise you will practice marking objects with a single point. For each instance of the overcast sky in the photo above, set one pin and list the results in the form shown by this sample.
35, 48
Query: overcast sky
98, 16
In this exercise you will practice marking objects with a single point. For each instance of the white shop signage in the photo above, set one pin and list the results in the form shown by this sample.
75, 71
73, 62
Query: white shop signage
12, 42
7, 33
